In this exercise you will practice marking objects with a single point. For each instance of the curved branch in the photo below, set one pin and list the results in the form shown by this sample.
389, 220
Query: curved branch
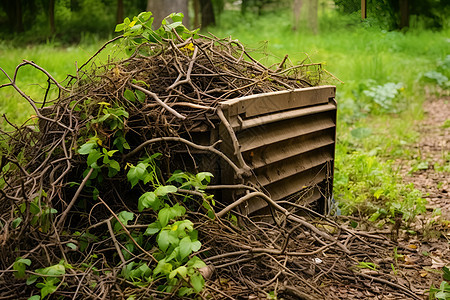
160, 102
136, 150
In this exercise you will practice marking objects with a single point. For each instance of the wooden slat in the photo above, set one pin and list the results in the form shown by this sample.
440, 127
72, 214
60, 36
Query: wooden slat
294, 165
286, 115
265, 135
297, 182
261, 104
279, 151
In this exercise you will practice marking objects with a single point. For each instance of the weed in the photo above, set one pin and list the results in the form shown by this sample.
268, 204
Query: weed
443, 291
367, 265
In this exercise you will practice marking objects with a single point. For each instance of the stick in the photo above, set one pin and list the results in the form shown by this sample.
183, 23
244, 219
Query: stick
136, 150
126, 231
74, 198
154, 96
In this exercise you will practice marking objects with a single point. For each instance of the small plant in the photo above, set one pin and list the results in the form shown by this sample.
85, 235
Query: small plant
174, 234
139, 31
48, 279
443, 292
367, 265
370, 186
385, 96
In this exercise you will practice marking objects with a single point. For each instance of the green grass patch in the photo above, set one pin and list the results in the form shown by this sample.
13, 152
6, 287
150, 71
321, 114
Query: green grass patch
58, 61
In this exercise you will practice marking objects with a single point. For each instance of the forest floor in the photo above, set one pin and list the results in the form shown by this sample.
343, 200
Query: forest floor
429, 171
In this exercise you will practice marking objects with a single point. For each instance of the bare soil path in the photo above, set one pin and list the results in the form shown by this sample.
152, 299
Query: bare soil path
431, 165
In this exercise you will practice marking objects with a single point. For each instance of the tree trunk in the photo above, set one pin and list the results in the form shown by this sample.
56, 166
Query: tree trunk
18, 22
119, 16
297, 10
208, 17
312, 15
404, 13
163, 8
196, 14
51, 16
363, 9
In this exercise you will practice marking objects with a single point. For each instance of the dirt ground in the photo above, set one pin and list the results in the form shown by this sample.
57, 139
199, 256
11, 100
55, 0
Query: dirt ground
432, 154
426, 170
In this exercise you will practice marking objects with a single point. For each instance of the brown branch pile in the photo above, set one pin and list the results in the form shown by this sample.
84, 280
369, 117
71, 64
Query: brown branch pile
292, 253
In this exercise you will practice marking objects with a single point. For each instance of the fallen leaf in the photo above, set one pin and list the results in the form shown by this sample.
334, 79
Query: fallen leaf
437, 263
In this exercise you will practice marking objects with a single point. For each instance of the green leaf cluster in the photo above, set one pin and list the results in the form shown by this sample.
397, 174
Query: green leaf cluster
94, 153
139, 31
48, 279
443, 292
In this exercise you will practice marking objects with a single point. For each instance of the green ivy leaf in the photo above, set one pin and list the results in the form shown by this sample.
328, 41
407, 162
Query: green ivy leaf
185, 247
167, 238
71, 246
113, 168
87, 147
162, 267
184, 225
55, 270
93, 157
446, 274
144, 16
126, 272
19, 266
124, 217
204, 176
182, 270
48, 287
129, 95
165, 189
153, 228
185, 291
35, 297
141, 96
163, 240
120, 27
149, 199
16, 222
196, 263
197, 282
168, 213
137, 173
32, 279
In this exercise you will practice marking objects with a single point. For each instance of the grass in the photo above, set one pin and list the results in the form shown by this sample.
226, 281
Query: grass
376, 67
58, 61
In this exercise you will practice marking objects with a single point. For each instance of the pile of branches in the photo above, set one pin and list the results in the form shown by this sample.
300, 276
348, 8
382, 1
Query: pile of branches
52, 211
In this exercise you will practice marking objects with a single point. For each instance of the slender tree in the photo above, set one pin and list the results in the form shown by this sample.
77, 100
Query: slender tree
163, 8
51, 16
120, 14
297, 10
404, 13
313, 10
196, 4
208, 17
